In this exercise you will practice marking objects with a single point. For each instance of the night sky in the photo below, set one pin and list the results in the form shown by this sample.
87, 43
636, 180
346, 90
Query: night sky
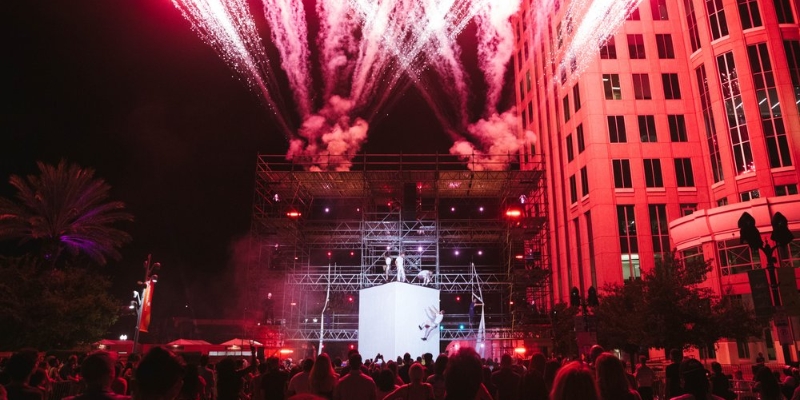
125, 87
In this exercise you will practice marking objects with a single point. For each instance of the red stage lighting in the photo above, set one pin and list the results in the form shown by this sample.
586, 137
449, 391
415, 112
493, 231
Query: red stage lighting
293, 214
513, 213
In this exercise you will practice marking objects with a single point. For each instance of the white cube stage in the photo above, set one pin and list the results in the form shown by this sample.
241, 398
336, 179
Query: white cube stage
390, 317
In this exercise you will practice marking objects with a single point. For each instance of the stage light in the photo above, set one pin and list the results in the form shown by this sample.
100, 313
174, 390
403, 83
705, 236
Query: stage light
352, 254
314, 320
520, 350
329, 254
350, 298
518, 256
352, 346
123, 337
452, 209
293, 304
480, 209
286, 351
511, 302
293, 214
480, 252
458, 298
419, 248
327, 209
457, 252
461, 327
513, 213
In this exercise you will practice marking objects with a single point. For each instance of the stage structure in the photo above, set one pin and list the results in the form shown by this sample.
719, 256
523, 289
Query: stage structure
320, 237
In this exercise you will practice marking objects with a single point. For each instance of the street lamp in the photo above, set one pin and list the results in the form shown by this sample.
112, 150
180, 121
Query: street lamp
141, 301
781, 236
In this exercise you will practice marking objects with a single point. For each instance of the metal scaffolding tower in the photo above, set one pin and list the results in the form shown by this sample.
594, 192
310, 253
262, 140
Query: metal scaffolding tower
314, 231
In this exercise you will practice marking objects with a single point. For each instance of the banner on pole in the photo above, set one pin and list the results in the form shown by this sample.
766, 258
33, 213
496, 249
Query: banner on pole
147, 308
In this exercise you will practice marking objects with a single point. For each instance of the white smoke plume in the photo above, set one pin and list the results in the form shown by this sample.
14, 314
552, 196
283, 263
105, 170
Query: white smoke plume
337, 43
330, 138
498, 142
495, 47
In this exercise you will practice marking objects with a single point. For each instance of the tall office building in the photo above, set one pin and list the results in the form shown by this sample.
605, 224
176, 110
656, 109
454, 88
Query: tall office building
684, 119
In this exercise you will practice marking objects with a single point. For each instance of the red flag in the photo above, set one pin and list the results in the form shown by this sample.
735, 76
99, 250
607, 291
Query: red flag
147, 297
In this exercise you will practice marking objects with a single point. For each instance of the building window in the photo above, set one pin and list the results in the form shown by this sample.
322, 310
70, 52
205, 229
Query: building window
609, 50
585, 182
565, 103
659, 10
708, 123
636, 46
579, 134
576, 97
737, 124
634, 15
748, 13
790, 254
749, 195
530, 111
570, 151
722, 202
784, 11
683, 172
652, 173
659, 228
792, 48
622, 174
629, 246
672, 90
647, 128
785, 190
677, 128
665, 48
691, 22
737, 258
716, 19
687, 209
528, 82
521, 90
616, 129
769, 106
641, 87
742, 348
573, 190
611, 87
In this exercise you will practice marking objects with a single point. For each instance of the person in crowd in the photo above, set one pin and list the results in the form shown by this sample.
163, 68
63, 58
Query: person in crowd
594, 352
53, 367
532, 386
158, 376
274, 381
612, 383
129, 373
463, 375
120, 385
300, 381
486, 378
39, 380
323, 377
230, 384
416, 389
644, 379
551, 368
574, 381
392, 366
208, 375
789, 382
720, 384
386, 383
673, 374
69, 371
695, 381
194, 386
355, 385
427, 361
505, 380
403, 370
256, 393
19, 370
767, 385
97, 372
437, 378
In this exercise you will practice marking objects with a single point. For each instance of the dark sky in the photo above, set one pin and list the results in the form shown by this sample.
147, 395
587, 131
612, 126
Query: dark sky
125, 87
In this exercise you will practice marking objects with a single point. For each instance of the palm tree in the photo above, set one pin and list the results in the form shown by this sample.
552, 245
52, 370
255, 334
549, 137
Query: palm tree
64, 208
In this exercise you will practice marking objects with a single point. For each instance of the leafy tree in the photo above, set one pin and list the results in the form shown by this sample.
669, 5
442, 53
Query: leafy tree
49, 308
563, 320
621, 319
64, 208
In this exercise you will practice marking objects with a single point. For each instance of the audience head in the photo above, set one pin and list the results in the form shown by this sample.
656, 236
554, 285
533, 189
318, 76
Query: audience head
159, 375
406, 359
385, 381
416, 373
676, 355
463, 374
611, 380
537, 362
307, 364
97, 369
440, 365
716, 367
505, 361
770, 387
21, 364
574, 381
38, 378
594, 352
693, 375
355, 362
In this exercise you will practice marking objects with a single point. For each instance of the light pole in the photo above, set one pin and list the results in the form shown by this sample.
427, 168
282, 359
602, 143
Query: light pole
781, 236
141, 301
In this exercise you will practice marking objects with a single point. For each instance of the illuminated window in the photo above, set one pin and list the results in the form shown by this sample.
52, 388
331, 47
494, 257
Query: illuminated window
647, 128
652, 173
665, 48
748, 13
609, 50
641, 87
691, 22
611, 87
769, 106
659, 228
683, 172
672, 90
622, 174
708, 123
737, 124
659, 10
677, 128
784, 11
716, 19
737, 258
585, 182
785, 190
616, 129
636, 46
792, 48
628, 243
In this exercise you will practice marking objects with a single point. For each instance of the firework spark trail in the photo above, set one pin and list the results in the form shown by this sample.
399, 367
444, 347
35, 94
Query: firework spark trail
289, 34
495, 47
337, 44
230, 30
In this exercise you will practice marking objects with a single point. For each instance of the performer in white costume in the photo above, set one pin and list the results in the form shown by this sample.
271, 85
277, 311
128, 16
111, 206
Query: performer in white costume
401, 271
435, 318
387, 267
